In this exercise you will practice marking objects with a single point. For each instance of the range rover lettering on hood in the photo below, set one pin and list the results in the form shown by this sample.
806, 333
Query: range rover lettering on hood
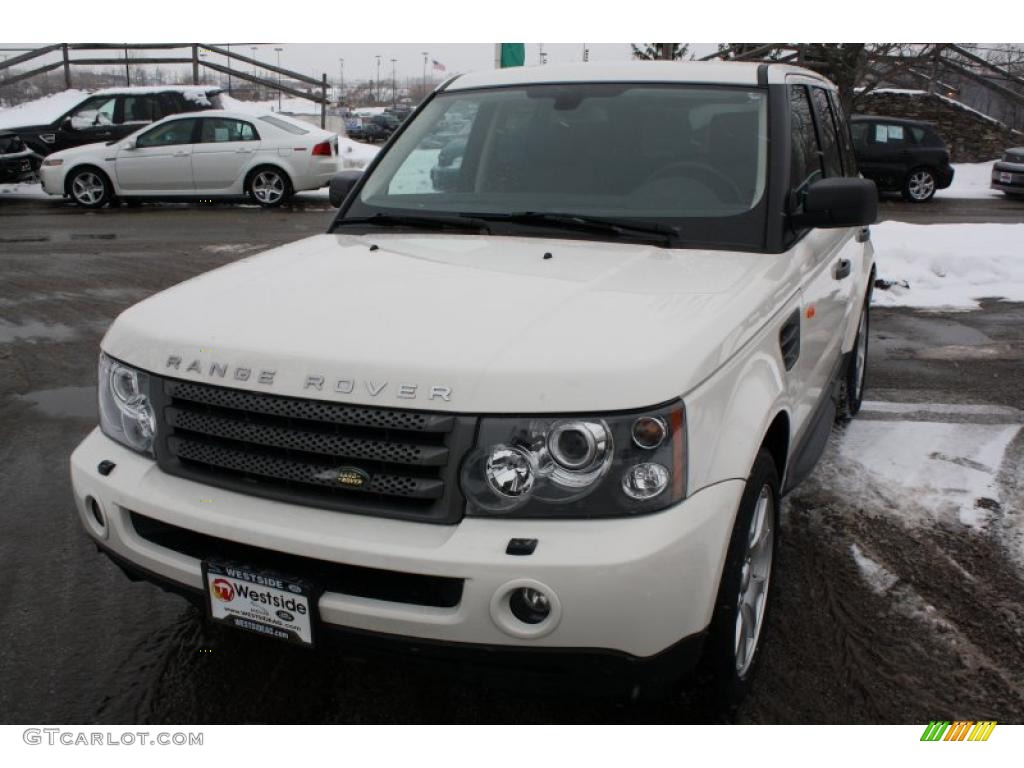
312, 381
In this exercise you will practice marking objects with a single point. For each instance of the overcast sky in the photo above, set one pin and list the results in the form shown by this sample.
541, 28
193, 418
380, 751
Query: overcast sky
361, 63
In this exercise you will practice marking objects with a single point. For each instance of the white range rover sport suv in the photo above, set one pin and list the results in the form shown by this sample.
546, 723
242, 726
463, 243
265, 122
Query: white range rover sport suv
535, 395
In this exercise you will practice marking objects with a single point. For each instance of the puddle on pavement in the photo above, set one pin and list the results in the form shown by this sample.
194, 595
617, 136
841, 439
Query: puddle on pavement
103, 236
33, 239
64, 402
35, 330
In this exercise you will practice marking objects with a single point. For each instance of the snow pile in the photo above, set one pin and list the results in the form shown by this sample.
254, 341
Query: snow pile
929, 470
23, 191
948, 265
971, 180
41, 111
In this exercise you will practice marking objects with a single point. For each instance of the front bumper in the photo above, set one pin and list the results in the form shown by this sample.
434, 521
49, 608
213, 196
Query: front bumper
630, 586
19, 166
1008, 177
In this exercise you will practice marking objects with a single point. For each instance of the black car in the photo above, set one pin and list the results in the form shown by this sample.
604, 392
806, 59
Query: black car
1008, 173
899, 155
368, 132
112, 114
17, 162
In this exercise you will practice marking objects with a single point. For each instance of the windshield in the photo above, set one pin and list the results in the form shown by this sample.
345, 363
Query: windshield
689, 157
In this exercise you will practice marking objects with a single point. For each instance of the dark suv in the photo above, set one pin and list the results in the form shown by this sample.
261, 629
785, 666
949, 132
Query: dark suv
899, 155
112, 114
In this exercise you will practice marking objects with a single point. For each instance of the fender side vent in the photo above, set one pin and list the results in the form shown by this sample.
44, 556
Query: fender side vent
789, 340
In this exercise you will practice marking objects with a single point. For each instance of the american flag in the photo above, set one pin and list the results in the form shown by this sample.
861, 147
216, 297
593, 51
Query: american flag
438, 66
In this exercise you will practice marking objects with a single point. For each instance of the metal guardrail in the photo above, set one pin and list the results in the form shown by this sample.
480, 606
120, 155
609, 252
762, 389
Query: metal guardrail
67, 62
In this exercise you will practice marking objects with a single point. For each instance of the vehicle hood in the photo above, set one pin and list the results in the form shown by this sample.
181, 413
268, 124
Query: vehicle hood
461, 323
94, 150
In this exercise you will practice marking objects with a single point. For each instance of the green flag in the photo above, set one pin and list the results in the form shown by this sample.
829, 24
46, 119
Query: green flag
512, 55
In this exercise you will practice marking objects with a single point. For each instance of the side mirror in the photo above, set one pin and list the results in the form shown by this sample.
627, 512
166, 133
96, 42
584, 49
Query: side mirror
341, 184
835, 203
67, 125
128, 144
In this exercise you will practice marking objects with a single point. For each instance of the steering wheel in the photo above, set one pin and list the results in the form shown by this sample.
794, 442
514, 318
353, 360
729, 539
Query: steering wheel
713, 177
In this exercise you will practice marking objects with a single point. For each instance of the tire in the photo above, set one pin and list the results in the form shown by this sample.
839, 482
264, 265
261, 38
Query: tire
89, 187
269, 186
736, 633
919, 186
852, 390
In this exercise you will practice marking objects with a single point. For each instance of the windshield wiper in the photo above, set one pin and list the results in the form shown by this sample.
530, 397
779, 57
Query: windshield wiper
581, 222
421, 222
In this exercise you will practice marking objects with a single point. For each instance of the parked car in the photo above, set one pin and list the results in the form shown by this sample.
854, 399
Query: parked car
545, 419
17, 162
899, 155
1008, 173
366, 131
109, 115
217, 153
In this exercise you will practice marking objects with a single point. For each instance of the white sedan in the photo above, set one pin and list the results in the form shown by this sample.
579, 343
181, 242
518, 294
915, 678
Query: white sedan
215, 153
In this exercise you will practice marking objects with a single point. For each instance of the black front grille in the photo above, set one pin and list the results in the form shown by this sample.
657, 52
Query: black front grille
359, 581
298, 450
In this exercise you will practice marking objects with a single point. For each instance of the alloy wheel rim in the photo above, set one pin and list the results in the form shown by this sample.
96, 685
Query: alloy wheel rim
862, 351
88, 188
268, 187
921, 185
754, 578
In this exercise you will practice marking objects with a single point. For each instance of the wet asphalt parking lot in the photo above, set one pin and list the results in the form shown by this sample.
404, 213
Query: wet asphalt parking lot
888, 608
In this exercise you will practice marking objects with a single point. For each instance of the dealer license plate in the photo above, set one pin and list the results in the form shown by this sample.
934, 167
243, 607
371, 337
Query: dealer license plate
1005, 178
259, 601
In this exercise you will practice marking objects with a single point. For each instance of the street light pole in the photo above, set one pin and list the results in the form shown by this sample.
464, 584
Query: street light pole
394, 84
341, 78
279, 78
378, 80
424, 75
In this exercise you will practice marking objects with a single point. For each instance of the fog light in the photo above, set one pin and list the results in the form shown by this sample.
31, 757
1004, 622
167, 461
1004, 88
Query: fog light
530, 606
97, 514
645, 481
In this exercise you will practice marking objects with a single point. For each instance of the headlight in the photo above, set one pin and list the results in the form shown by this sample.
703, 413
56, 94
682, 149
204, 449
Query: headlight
579, 466
126, 414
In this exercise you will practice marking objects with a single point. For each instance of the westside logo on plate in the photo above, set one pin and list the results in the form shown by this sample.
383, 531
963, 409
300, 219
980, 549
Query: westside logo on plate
223, 590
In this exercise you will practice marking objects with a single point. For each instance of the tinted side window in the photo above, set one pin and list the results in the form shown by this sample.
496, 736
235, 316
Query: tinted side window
221, 129
806, 165
168, 134
860, 136
142, 109
828, 132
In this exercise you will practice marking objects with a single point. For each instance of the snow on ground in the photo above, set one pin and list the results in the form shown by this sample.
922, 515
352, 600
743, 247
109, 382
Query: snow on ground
948, 265
414, 175
928, 465
971, 180
23, 192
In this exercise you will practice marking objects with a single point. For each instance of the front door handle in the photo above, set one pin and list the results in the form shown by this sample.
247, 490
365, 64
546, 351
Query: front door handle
181, 154
842, 269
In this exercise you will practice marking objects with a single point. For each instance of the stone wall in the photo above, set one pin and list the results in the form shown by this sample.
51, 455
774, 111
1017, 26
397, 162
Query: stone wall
971, 136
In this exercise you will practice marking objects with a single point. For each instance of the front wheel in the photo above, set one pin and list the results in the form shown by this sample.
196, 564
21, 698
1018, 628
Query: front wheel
90, 188
852, 391
919, 186
737, 626
269, 187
